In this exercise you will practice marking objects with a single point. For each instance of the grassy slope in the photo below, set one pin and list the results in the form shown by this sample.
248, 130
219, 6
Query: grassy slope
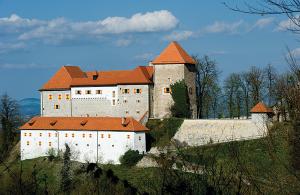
268, 160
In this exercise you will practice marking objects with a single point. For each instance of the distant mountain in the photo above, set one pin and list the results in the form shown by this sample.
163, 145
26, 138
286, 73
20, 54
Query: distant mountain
29, 107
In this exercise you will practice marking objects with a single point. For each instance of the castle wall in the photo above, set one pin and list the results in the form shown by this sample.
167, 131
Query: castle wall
85, 146
49, 100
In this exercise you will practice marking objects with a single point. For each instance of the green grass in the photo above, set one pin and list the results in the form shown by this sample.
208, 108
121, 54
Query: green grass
161, 131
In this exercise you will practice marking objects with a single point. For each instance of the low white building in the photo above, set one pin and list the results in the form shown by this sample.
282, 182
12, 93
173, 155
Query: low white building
91, 139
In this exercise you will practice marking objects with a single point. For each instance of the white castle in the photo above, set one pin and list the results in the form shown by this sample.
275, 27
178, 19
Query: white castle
100, 114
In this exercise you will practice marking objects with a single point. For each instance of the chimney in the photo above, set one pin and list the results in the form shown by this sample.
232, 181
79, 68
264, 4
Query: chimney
95, 75
124, 121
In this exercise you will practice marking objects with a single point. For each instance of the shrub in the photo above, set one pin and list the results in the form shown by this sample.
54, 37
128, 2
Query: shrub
181, 106
130, 158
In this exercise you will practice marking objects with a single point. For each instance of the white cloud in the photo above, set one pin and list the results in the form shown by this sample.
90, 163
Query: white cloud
123, 42
145, 56
295, 52
59, 29
8, 47
22, 66
285, 25
179, 35
223, 27
263, 22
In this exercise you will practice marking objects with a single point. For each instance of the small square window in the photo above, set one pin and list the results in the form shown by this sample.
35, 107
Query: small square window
112, 145
83, 135
73, 135
126, 112
50, 97
109, 136
125, 91
78, 92
88, 145
125, 101
27, 143
88, 92
137, 90
90, 135
138, 101
128, 136
59, 96
67, 96
113, 102
30, 134
113, 94
138, 112
41, 134
25, 134
50, 144
102, 135
140, 138
66, 135
40, 143
49, 134
167, 90
98, 91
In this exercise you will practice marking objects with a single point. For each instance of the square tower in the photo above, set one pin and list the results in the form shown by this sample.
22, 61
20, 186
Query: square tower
172, 65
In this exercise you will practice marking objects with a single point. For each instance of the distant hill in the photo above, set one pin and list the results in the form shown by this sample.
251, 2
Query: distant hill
29, 107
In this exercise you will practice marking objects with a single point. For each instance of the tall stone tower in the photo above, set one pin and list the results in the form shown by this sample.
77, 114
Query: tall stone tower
172, 65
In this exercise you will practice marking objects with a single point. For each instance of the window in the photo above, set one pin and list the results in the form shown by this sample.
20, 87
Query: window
73, 135
138, 112
126, 112
113, 102
138, 101
50, 97
88, 92
49, 134
140, 138
125, 91
41, 134
169, 79
98, 91
50, 144
83, 135
167, 90
128, 136
90, 135
67, 96
59, 96
137, 90
78, 92
88, 145
56, 106
40, 143
125, 101
66, 135
30, 134
27, 143
113, 94
102, 135
112, 145
109, 136
25, 134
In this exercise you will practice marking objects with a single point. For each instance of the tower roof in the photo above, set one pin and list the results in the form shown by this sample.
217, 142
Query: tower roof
261, 108
173, 54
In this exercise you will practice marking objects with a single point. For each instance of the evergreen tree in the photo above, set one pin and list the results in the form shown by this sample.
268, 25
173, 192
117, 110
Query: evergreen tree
65, 172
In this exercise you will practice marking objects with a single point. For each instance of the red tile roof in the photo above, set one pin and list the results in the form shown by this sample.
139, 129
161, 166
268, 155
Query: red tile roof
261, 108
83, 123
69, 76
173, 54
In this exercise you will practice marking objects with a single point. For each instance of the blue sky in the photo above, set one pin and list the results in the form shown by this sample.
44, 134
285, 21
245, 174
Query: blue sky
37, 37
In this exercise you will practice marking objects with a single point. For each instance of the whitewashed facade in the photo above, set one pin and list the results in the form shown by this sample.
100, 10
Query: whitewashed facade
86, 146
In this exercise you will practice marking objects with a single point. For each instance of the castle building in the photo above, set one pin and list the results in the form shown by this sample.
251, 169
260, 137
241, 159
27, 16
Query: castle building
99, 113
